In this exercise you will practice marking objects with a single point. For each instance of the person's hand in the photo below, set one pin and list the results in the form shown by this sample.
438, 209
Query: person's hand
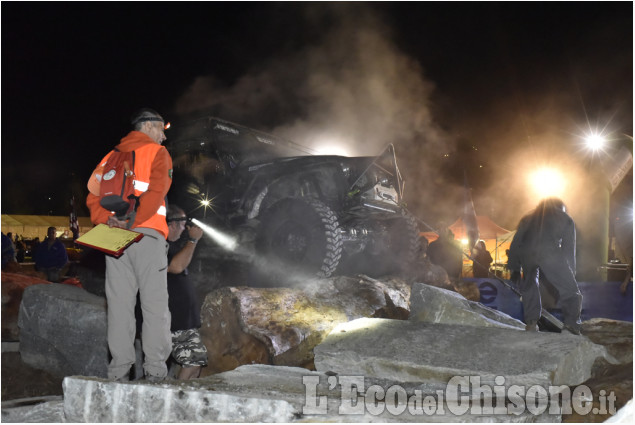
195, 232
115, 222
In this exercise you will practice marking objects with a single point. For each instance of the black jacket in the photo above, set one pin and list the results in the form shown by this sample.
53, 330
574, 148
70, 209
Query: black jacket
543, 235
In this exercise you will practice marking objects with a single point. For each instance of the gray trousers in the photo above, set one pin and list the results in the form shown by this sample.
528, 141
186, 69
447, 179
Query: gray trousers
142, 268
562, 278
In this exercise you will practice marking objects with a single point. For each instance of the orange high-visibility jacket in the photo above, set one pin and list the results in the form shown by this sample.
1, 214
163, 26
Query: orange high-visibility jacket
153, 177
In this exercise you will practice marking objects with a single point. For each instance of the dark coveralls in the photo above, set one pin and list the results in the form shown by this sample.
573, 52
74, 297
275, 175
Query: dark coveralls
544, 244
446, 253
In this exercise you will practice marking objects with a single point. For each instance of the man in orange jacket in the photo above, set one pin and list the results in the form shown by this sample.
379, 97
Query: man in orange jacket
143, 266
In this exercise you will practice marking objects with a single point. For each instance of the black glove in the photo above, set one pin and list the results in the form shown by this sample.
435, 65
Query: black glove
515, 277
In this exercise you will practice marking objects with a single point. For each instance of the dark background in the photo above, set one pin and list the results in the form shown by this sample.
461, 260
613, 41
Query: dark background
481, 89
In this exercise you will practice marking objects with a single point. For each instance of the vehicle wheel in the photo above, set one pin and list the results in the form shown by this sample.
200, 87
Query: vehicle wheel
399, 248
406, 241
300, 236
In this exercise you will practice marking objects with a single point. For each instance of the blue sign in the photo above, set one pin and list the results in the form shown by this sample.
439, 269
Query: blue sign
599, 300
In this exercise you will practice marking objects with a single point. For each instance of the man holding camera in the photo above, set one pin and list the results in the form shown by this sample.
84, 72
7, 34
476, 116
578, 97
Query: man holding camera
187, 348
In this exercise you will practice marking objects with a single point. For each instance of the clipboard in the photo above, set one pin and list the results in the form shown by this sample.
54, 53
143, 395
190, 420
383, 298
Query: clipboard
111, 240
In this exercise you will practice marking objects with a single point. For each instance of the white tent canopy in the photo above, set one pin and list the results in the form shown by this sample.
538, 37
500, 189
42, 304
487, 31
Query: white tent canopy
32, 226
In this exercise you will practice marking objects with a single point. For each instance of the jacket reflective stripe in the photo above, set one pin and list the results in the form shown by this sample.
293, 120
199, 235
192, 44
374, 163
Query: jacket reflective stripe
140, 186
143, 168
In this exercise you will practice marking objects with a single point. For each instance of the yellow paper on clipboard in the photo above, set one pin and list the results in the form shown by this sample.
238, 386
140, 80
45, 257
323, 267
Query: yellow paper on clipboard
111, 240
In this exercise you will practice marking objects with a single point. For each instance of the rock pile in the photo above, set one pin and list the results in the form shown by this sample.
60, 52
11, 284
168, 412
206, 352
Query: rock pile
381, 352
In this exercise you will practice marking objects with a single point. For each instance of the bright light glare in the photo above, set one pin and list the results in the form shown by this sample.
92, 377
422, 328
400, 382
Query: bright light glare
227, 242
547, 182
464, 241
332, 149
595, 142
206, 203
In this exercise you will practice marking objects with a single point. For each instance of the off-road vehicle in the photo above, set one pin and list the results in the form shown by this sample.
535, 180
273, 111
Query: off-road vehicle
291, 211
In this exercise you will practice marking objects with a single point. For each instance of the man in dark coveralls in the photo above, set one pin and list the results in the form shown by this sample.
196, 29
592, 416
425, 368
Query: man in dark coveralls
544, 245
187, 348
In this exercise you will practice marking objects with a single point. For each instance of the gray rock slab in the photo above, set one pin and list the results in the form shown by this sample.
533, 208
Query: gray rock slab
409, 351
615, 335
63, 330
437, 305
48, 409
264, 393
202, 400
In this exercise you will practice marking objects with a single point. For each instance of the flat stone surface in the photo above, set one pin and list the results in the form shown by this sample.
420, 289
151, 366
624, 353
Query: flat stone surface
99, 400
409, 351
437, 305
264, 393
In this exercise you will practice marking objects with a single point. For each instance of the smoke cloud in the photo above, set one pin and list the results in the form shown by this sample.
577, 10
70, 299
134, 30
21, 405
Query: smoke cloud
352, 92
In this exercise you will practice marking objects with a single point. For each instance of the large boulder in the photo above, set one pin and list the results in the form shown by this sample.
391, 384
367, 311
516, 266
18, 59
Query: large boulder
437, 305
411, 351
63, 330
242, 325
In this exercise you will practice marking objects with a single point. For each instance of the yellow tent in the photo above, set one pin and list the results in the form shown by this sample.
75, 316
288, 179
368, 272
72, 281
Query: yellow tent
497, 240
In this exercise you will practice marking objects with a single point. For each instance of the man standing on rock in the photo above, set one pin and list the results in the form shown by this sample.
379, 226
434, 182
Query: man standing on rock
544, 244
143, 266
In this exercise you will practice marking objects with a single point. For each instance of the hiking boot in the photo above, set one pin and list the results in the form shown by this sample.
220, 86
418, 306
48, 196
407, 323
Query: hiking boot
154, 378
532, 326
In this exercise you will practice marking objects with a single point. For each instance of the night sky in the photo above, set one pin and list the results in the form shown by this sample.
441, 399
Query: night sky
476, 89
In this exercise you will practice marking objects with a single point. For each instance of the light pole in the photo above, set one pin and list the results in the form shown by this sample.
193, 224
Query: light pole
614, 163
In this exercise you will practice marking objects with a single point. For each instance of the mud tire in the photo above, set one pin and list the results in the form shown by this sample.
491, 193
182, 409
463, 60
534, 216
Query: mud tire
400, 247
406, 242
300, 237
